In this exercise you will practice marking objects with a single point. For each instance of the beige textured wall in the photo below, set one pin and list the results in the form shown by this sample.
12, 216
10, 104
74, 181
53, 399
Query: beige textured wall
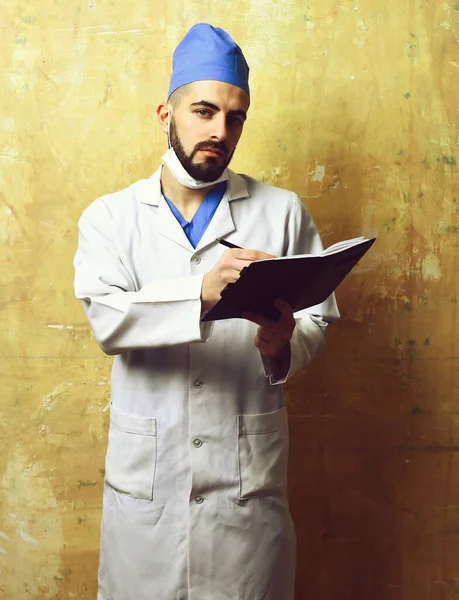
354, 106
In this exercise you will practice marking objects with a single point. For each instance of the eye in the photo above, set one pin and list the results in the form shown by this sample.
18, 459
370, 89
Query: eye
203, 112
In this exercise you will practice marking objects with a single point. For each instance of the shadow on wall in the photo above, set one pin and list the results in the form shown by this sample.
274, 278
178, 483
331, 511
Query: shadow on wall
343, 472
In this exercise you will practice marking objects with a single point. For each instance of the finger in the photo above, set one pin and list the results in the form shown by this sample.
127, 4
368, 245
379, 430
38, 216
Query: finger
286, 311
286, 315
235, 264
240, 264
229, 276
260, 342
283, 306
278, 334
250, 255
269, 337
265, 348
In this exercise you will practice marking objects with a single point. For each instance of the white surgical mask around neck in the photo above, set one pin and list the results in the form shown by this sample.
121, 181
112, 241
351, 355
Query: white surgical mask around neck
178, 171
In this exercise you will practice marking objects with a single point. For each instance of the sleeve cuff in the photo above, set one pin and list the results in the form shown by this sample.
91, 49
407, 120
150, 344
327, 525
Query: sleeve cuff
308, 338
277, 369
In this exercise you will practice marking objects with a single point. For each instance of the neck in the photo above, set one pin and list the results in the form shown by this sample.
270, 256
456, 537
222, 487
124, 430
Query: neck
180, 195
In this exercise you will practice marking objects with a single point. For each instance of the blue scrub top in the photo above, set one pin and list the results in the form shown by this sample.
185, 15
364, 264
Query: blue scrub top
194, 230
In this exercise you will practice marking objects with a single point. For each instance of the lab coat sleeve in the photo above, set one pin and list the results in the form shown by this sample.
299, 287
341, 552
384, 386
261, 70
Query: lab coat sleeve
162, 313
311, 324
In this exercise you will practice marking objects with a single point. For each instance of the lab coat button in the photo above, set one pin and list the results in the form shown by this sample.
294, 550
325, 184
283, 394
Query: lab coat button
199, 499
197, 443
198, 384
197, 260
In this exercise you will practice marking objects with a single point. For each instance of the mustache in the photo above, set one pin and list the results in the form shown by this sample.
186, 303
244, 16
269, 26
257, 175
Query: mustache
218, 146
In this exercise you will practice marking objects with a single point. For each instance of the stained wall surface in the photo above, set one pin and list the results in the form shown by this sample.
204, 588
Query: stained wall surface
354, 106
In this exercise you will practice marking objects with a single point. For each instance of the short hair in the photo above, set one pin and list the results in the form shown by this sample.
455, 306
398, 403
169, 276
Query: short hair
177, 96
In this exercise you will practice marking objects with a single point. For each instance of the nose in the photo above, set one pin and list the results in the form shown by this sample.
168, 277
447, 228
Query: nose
219, 128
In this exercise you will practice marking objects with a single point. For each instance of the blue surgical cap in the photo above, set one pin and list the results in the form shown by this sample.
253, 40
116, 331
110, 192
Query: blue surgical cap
208, 53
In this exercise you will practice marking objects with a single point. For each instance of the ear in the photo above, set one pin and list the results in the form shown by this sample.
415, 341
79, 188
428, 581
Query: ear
162, 114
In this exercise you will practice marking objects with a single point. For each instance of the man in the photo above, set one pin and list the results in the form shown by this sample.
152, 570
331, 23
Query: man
195, 502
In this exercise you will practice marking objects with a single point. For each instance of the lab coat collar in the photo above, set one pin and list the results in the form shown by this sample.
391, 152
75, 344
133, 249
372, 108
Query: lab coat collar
151, 192
221, 224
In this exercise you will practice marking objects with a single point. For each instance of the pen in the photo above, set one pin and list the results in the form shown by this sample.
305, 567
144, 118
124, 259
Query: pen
227, 244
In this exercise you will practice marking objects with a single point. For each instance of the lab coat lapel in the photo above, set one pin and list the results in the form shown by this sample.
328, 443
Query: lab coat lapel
222, 222
166, 224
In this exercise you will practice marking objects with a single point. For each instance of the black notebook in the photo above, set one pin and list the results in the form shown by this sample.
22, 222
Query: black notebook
303, 281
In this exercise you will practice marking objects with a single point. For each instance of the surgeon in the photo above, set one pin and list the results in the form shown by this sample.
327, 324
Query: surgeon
195, 500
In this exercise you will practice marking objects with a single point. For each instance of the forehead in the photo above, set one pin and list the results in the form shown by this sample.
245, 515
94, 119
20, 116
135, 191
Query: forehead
224, 95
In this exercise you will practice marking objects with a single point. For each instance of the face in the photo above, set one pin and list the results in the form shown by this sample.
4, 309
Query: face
206, 126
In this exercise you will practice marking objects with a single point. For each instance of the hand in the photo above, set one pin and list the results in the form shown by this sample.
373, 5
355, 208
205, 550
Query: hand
227, 270
273, 336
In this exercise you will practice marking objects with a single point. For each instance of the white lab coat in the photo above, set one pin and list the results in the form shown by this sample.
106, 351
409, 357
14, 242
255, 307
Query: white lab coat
195, 504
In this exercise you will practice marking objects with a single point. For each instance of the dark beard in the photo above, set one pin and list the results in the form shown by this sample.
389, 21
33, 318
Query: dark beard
209, 170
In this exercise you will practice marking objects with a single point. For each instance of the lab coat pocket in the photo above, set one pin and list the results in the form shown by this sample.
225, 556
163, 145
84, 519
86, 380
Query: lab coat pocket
263, 454
131, 456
